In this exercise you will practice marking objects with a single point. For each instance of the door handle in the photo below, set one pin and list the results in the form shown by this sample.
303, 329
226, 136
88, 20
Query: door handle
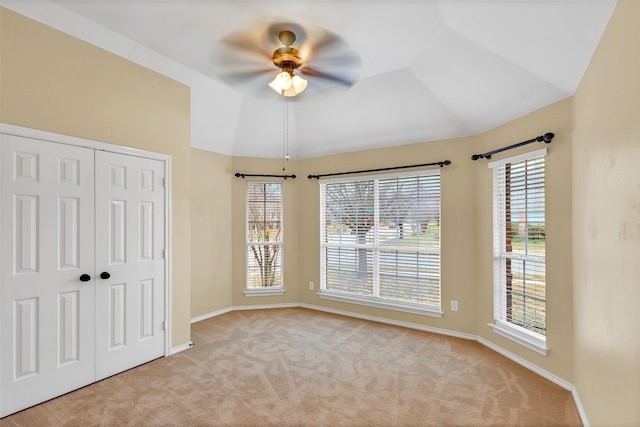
104, 275
85, 278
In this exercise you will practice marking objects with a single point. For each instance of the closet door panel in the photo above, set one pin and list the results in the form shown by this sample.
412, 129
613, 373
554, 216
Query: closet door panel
47, 244
131, 299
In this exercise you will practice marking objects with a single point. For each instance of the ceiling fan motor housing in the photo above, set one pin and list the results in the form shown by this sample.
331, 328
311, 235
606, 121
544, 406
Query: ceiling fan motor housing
287, 58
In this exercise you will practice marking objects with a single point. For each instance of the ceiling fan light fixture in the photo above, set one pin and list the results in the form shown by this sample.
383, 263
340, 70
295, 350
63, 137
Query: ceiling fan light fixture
281, 82
288, 84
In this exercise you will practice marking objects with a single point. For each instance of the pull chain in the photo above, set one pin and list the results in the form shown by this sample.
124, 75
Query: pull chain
285, 133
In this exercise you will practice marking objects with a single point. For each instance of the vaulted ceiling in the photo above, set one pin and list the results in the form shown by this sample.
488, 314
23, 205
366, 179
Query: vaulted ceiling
428, 70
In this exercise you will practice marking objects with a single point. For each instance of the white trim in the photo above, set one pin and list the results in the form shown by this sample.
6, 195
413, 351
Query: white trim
210, 315
521, 336
265, 306
513, 159
264, 292
406, 307
168, 257
390, 321
241, 308
520, 361
79, 142
182, 347
581, 412
24, 132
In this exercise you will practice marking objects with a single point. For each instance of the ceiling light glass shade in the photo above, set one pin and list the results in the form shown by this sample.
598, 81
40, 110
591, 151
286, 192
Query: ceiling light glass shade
299, 84
281, 83
290, 92
288, 85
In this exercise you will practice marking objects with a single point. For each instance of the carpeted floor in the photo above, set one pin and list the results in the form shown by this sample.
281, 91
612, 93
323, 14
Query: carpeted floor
300, 367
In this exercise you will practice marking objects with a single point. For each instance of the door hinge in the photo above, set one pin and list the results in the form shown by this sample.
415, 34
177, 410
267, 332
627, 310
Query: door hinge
164, 326
164, 183
163, 254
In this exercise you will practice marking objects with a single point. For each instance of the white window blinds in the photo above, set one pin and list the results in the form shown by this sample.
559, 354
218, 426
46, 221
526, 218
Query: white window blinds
264, 235
519, 243
380, 238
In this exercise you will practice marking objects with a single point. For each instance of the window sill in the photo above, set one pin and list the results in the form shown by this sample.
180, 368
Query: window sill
264, 292
406, 307
521, 336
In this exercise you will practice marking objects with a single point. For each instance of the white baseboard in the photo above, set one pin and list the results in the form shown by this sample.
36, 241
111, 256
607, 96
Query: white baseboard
210, 315
536, 369
530, 366
583, 415
265, 306
390, 321
240, 308
180, 348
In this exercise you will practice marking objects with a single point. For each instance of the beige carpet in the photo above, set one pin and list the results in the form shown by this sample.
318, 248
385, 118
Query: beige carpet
301, 367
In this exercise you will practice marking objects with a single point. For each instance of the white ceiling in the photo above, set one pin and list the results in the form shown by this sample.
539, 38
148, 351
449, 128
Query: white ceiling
430, 70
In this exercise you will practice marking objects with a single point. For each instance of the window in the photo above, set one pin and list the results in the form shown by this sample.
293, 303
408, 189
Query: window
519, 249
264, 238
380, 241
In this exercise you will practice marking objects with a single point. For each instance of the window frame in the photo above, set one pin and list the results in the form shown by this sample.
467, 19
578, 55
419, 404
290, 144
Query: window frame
272, 290
376, 301
530, 339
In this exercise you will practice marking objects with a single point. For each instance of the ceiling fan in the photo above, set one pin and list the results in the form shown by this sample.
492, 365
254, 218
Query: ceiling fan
277, 55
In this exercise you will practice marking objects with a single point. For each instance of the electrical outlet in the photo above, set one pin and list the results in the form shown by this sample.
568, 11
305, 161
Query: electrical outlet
311, 285
454, 305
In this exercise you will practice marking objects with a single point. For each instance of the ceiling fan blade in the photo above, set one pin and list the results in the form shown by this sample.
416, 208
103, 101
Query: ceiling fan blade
328, 52
246, 43
326, 42
343, 60
312, 72
239, 77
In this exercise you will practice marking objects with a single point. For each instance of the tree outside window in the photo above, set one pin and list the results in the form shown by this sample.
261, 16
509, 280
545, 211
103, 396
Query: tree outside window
264, 235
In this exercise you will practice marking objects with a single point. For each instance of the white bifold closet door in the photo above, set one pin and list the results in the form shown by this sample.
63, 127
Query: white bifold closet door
82, 292
129, 248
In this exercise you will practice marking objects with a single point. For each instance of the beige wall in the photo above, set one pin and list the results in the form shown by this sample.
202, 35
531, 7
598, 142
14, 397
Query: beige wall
458, 230
606, 225
53, 82
302, 230
211, 181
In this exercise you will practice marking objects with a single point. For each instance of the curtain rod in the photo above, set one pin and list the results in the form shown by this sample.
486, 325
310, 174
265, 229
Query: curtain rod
547, 137
441, 164
243, 175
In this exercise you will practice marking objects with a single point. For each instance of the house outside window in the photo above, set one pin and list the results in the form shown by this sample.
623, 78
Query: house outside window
519, 249
264, 238
380, 241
